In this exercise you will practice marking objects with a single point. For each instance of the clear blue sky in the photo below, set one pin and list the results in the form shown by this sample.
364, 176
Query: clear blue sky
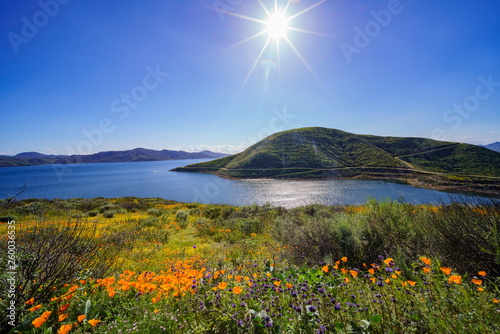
88, 76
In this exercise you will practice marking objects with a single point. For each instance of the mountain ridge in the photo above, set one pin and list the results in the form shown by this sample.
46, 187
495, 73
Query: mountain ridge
322, 153
136, 154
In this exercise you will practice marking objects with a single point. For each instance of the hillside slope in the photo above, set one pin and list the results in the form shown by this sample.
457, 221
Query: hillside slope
329, 153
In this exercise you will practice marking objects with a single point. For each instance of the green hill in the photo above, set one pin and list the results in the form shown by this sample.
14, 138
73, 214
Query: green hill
329, 153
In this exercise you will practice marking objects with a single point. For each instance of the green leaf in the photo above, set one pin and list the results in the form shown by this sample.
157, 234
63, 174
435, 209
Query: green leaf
377, 318
25, 326
87, 308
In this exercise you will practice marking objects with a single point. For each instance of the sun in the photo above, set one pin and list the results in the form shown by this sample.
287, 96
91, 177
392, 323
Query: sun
277, 25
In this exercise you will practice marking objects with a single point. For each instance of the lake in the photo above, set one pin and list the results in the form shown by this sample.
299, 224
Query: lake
153, 179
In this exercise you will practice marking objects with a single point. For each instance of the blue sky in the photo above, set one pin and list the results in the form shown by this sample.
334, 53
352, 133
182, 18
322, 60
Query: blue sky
89, 76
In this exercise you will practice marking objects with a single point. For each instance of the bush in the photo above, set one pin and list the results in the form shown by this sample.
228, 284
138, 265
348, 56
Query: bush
182, 217
156, 212
6, 219
92, 213
107, 207
109, 214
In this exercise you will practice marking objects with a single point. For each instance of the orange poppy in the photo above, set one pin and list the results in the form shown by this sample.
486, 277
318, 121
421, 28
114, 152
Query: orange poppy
354, 273
30, 302
455, 279
344, 259
289, 285
222, 285
237, 290
389, 262
482, 273
325, 269
426, 260
277, 283
371, 271
156, 311
412, 283
63, 308
346, 280
426, 269
38, 321
63, 316
477, 281
64, 329
81, 317
94, 322
445, 270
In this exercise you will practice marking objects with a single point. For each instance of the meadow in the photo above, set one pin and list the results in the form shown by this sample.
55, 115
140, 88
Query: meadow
135, 265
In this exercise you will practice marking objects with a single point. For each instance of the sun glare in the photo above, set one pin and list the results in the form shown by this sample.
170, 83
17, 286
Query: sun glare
277, 25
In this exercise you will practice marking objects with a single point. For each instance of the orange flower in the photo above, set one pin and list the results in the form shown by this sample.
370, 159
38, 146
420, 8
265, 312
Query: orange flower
404, 284
426, 260
373, 279
344, 271
268, 274
250, 284
277, 283
398, 272
412, 283
455, 279
153, 300
354, 273
222, 272
389, 262
371, 271
222, 285
477, 281
38, 321
63, 316
445, 270
480, 289
64, 329
156, 311
111, 293
238, 278
495, 300
426, 269
63, 308
94, 322
346, 280
388, 281
237, 290
82, 282
229, 276
289, 285
35, 308
482, 273
394, 276
246, 278
325, 269
81, 317
46, 314
344, 259
30, 302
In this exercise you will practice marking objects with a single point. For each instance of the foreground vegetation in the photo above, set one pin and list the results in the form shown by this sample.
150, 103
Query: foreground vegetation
130, 265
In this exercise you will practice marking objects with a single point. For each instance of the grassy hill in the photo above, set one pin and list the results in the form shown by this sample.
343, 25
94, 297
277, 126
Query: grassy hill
329, 153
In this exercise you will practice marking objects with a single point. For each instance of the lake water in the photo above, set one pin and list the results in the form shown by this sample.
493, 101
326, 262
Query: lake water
153, 179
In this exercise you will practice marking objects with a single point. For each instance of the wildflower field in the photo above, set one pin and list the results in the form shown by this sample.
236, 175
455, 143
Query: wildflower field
132, 265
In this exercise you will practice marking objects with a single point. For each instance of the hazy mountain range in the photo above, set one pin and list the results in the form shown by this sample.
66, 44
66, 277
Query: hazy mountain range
138, 154
493, 146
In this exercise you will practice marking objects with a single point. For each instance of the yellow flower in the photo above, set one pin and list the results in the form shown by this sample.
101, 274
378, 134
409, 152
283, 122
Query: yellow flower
388, 281
445, 270
237, 290
426, 260
94, 322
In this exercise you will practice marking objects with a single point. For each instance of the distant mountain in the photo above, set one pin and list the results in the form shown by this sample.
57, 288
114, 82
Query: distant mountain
328, 153
138, 154
493, 146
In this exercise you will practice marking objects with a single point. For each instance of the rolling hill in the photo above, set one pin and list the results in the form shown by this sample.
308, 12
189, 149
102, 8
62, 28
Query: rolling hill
138, 154
322, 153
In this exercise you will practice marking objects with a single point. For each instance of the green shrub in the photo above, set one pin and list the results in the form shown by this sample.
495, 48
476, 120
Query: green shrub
6, 219
107, 207
182, 218
156, 212
109, 213
92, 213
